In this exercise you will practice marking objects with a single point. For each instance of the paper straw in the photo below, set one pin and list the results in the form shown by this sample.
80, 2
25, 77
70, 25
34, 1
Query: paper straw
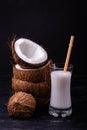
69, 53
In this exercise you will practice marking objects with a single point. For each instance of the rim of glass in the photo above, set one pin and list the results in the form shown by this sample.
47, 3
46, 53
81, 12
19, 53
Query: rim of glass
60, 66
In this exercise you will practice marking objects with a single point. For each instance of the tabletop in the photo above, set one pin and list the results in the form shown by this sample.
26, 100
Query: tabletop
41, 119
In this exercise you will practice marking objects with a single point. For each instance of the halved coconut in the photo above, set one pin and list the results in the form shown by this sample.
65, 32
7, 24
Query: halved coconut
33, 75
41, 89
28, 54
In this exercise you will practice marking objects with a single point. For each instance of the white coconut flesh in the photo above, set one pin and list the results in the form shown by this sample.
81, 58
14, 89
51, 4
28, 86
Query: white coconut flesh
19, 68
29, 51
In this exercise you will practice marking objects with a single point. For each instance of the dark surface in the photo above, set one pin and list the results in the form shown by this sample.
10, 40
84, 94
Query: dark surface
41, 119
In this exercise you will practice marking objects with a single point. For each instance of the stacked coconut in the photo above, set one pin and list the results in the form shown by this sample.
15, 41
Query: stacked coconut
31, 78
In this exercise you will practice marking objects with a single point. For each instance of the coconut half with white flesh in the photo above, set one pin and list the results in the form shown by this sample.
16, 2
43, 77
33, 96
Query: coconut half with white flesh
28, 54
33, 75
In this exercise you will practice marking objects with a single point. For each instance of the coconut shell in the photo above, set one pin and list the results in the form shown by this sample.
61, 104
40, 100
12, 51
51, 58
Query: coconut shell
22, 63
41, 89
21, 105
33, 75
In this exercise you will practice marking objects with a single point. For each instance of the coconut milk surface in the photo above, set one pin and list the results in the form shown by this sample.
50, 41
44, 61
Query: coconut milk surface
60, 89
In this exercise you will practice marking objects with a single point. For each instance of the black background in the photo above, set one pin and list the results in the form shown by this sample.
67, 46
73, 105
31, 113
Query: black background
50, 24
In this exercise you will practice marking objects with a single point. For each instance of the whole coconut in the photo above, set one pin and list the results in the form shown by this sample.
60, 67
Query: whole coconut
21, 105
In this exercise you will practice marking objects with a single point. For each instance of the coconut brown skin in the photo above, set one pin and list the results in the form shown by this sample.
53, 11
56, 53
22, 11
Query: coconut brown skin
33, 75
41, 89
21, 105
22, 63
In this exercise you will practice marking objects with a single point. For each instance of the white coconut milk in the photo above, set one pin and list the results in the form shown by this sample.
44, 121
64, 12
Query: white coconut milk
60, 89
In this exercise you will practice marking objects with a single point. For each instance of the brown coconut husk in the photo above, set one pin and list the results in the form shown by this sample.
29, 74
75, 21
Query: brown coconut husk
41, 89
22, 63
33, 75
21, 105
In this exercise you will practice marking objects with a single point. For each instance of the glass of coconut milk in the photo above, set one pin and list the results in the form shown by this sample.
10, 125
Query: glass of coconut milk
60, 99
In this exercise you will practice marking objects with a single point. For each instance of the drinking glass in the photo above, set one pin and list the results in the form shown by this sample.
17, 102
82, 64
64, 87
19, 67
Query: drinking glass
60, 99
